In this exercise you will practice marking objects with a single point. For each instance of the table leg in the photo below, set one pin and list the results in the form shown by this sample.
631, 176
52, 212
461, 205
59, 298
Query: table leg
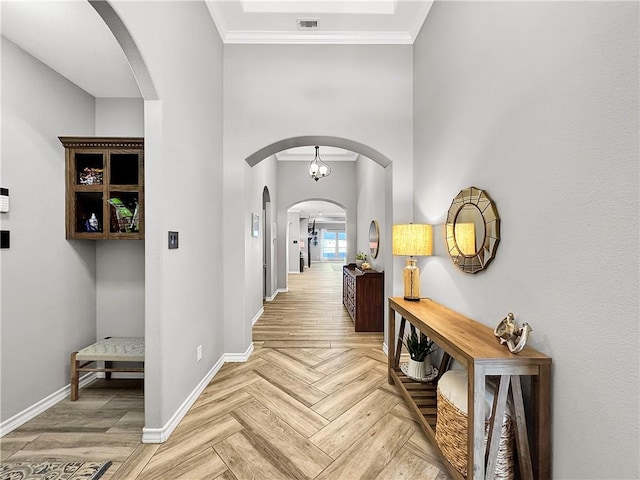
475, 434
495, 425
74, 377
541, 399
391, 337
522, 438
403, 322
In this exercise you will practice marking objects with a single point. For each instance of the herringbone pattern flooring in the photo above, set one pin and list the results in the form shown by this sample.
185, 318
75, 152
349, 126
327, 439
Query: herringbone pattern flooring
312, 402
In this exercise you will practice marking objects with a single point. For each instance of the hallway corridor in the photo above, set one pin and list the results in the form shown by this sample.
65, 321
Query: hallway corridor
312, 402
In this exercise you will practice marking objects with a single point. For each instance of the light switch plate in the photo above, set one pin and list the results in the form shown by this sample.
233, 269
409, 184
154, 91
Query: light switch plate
173, 240
4, 238
4, 200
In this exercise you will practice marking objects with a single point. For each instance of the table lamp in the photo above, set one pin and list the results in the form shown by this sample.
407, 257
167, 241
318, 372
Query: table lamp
412, 240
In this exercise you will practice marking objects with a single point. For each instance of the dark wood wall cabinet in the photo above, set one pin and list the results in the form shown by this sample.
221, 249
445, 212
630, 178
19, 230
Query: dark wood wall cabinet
363, 297
104, 188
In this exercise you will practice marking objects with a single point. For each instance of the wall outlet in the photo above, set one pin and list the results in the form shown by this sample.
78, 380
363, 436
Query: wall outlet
199, 353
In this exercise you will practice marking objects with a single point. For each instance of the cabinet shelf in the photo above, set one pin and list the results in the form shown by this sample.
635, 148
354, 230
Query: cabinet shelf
105, 188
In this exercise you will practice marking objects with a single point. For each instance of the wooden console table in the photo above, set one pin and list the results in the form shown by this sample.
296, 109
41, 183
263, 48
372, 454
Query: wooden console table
475, 347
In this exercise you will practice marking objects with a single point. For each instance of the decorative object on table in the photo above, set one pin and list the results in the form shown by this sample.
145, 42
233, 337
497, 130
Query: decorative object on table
472, 230
365, 266
419, 347
317, 168
515, 338
374, 238
360, 258
45, 470
428, 376
412, 240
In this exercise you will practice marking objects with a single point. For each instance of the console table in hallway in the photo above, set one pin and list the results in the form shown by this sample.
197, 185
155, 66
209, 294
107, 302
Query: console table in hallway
476, 348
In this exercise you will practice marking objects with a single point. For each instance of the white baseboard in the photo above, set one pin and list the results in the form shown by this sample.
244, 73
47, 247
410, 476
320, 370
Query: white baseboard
160, 435
275, 294
238, 357
149, 435
257, 316
385, 349
36, 409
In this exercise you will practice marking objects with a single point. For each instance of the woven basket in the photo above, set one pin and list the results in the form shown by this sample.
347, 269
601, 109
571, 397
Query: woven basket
451, 435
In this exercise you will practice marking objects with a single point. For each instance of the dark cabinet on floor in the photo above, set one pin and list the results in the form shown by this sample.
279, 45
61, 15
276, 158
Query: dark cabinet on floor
363, 297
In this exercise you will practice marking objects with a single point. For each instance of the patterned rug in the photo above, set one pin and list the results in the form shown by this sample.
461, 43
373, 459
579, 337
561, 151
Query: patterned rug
53, 470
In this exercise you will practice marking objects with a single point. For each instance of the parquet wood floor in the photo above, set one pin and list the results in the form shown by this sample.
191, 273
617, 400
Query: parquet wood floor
312, 402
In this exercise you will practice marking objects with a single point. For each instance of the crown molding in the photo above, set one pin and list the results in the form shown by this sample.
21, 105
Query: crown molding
282, 37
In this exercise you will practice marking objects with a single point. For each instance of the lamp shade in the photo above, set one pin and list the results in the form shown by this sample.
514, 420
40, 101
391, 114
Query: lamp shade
412, 239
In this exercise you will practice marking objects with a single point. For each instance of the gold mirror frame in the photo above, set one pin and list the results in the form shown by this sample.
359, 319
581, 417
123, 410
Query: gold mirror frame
475, 253
374, 238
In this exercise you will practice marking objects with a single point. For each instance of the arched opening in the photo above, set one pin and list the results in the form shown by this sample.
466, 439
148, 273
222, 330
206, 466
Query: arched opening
292, 142
365, 194
322, 233
268, 246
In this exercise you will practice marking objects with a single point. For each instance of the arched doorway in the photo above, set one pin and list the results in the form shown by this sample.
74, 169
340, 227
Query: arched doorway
296, 189
268, 247
323, 232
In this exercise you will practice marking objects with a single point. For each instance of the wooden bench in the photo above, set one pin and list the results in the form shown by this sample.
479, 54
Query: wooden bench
109, 350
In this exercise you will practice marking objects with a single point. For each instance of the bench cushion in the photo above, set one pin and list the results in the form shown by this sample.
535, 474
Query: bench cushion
116, 349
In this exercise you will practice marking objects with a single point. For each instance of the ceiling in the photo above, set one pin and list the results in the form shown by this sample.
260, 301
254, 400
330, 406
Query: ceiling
73, 40
332, 21
306, 154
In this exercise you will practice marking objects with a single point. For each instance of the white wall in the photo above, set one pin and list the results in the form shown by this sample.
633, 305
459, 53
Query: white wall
120, 117
119, 264
537, 103
182, 53
260, 176
275, 92
295, 185
293, 248
371, 179
48, 292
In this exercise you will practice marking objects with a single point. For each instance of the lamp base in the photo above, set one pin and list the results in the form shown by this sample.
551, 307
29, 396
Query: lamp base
411, 277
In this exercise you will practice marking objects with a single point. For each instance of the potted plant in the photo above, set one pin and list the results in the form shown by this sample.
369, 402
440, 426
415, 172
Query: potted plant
360, 257
419, 347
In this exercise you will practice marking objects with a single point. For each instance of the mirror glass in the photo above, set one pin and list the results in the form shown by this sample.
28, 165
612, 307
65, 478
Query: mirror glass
472, 230
374, 238
468, 232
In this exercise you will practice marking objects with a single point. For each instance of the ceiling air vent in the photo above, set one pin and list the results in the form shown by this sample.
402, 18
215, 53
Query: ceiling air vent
307, 23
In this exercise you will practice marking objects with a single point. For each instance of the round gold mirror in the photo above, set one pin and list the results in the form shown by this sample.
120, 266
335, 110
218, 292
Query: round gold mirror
374, 238
472, 230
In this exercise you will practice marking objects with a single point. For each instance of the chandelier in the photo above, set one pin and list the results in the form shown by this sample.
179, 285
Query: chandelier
318, 168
